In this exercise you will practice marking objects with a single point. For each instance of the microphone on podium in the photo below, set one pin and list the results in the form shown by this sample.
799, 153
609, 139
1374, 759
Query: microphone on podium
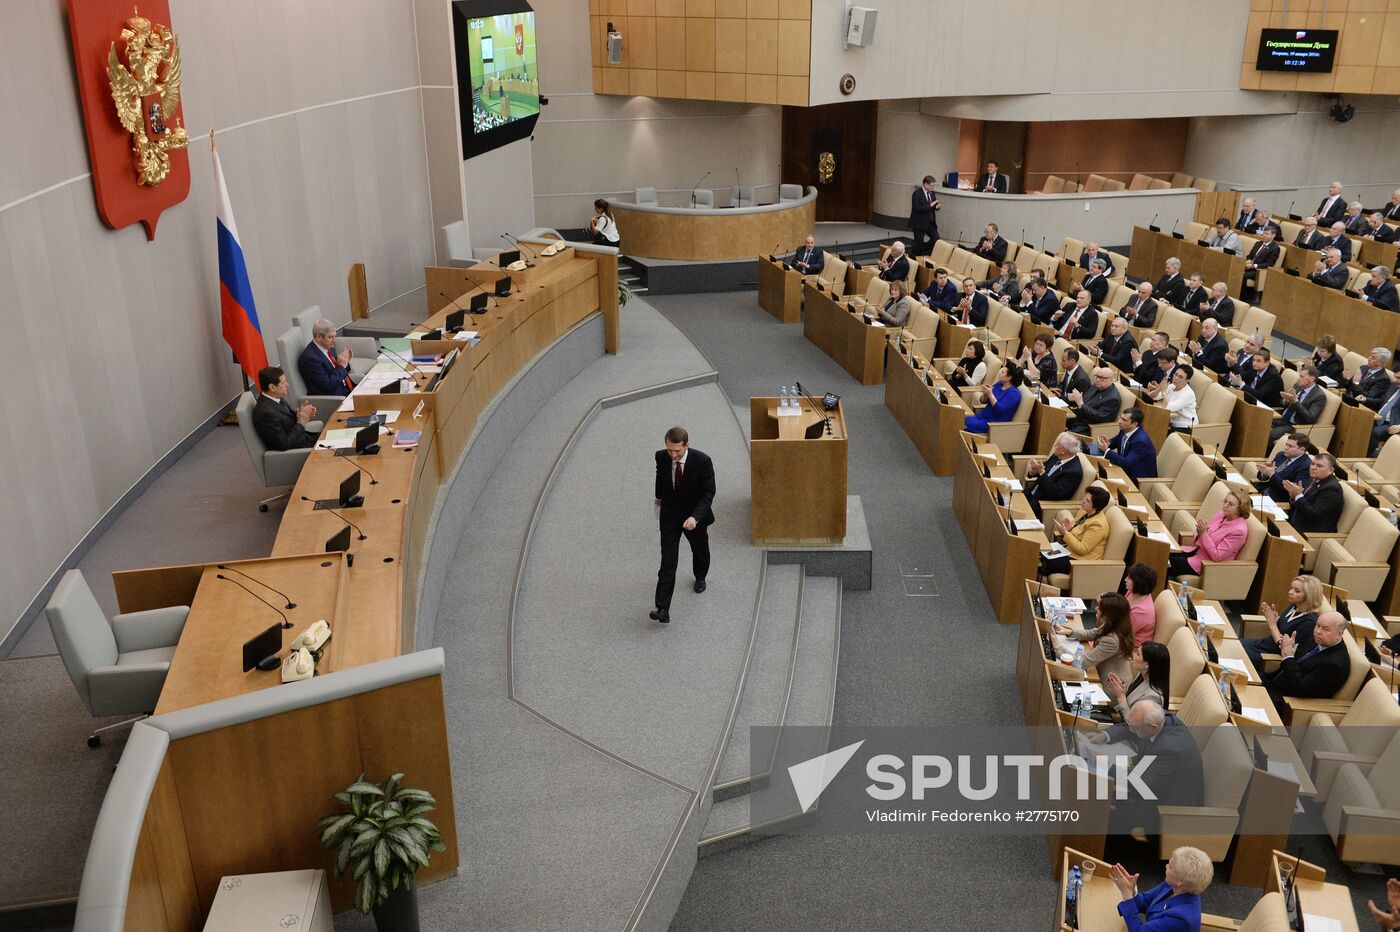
696, 187
529, 260
285, 622
228, 569
340, 516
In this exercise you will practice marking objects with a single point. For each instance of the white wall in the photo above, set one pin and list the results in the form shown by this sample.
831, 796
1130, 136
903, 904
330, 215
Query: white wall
114, 346
500, 196
909, 145
1038, 60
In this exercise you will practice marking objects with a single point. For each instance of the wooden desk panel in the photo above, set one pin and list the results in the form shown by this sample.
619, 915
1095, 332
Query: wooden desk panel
720, 234
1305, 310
931, 425
779, 291
1156, 248
798, 485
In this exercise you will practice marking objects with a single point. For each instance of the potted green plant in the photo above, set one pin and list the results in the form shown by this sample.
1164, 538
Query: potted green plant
383, 840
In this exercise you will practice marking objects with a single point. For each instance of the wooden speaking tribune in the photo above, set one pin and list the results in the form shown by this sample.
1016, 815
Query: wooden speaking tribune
798, 484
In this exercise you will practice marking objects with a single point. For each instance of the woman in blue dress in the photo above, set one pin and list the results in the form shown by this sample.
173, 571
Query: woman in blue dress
1001, 399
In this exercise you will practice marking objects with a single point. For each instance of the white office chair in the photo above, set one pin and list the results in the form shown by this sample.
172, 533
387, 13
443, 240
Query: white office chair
790, 192
745, 197
117, 666
459, 246
704, 199
645, 196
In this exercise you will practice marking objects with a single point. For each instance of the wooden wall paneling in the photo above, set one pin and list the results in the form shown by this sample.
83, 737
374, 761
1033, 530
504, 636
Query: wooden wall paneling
162, 893
848, 131
762, 40
700, 44
731, 45
157, 587
794, 47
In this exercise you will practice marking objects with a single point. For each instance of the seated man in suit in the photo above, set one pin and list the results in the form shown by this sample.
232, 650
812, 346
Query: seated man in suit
1079, 321
1292, 464
1354, 220
1074, 377
1197, 295
894, 267
1175, 777
993, 246
1330, 272
1380, 290
1333, 207
325, 371
1263, 384
1210, 348
279, 425
1131, 448
1220, 306
1391, 211
972, 308
1337, 240
1091, 252
809, 260
1242, 360
1116, 348
1171, 287
1098, 405
1262, 255
993, 181
1302, 405
1045, 303
1250, 219
1145, 368
1222, 237
941, 295
1317, 506
1316, 674
1140, 310
1309, 237
1376, 229
1387, 420
1096, 282
1371, 383
1057, 477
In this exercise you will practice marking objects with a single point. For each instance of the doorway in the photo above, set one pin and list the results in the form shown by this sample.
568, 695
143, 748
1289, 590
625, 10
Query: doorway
832, 148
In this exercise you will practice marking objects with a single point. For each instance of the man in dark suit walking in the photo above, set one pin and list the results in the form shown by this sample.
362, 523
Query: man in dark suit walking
685, 490
1316, 674
922, 220
279, 425
1316, 508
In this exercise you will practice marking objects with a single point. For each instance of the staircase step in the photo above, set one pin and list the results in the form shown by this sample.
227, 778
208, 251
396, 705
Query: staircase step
810, 701
769, 678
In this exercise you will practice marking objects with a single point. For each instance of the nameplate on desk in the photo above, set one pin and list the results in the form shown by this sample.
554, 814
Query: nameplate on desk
322, 504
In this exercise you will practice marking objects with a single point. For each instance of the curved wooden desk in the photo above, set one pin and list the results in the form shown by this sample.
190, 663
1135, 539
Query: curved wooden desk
726, 233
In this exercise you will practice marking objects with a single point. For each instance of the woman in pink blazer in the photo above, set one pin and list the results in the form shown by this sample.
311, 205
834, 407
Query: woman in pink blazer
1219, 539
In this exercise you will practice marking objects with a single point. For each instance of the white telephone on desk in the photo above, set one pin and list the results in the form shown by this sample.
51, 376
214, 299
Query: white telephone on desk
552, 250
314, 636
299, 665
517, 266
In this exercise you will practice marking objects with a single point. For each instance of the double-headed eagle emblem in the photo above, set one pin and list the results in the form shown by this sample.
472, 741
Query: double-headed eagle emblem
146, 91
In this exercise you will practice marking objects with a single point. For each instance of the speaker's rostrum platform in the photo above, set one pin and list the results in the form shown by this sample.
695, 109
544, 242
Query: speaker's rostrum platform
798, 481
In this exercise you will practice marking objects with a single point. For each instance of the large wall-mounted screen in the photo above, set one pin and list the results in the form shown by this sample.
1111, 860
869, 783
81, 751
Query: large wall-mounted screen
1303, 51
498, 77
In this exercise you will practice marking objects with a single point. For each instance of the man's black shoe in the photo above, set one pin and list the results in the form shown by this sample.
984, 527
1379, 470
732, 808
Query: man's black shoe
661, 615
699, 585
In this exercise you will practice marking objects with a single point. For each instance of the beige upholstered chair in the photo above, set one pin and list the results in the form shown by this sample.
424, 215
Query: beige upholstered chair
1360, 562
1195, 232
1158, 184
1054, 184
1204, 184
833, 275
921, 330
1120, 267
1087, 579
1227, 768
1255, 320
1095, 183
1188, 663
1203, 708
1010, 436
876, 293
1189, 487
941, 253
1071, 249
1385, 469
1140, 182
1320, 431
1003, 331
1353, 506
1214, 408
1180, 180
1362, 813
1113, 184
1169, 619
1325, 743
1300, 711
1270, 914
1175, 323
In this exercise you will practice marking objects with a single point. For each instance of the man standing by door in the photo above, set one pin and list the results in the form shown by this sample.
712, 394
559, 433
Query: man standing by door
922, 220
685, 489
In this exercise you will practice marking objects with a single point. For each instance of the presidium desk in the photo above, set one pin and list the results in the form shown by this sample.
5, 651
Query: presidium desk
655, 232
798, 483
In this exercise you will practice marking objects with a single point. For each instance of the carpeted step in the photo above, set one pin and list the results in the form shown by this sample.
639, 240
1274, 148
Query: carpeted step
769, 678
810, 702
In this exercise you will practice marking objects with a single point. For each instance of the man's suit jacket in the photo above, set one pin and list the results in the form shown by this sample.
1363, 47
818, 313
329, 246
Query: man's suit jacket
815, 259
1136, 455
1244, 364
1097, 286
1286, 470
1314, 241
319, 374
1318, 676
1264, 386
697, 489
1341, 243
1249, 221
1212, 354
1371, 385
999, 183
1191, 303
1390, 212
1223, 312
1076, 380
277, 425
1383, 295
1318, 508
1331, 277
977, 311
1306, 409
996, 253
1171, 289
1085, 327
942, 299
1118, 352
1139, 313
1085, 259
898, 270
1175, 776
1147, 369
1382, 234
1358, 225
1159, 909
921, 215
1330, 214
1058, 485
1100, 405
1044, 308
1263, 254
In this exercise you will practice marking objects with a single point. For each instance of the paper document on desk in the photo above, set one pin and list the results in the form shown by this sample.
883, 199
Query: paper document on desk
1264, 406
1368, 623
1013, 484
348, 404
1321, 923
1090, 752
413, 335
1095, 693
1284, 769
875, 323
1055, 401
1255, 714
386, 366
387, 417
400, 345
1208, 616
1028, 524
464, 335
1055, 552
1234, 665
341, 439
1062, 603
1161, 537
1236, 478
1267, 505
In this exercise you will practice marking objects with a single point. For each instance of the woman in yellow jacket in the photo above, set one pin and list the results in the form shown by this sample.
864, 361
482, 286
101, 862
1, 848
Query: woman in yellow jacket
1085, 536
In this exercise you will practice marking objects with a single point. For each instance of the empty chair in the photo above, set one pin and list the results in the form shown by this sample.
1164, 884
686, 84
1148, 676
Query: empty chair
459, 247
1175, 323
1188, 663
940, 254
1227, 766
1195, 232
1169, 620
1095, 183
1360, 562
1204, 184
1386, 468
645, 196
745, 197
876, 293
1071, 249
1203, 708
1158, 184
790, 192
1214, 409
1112, 184
833, 274
921, 330
1054, 184
1120, 266
1189, 487
1362, 813
1140, 182
117, 666
1353, 506
1325, 742
1256, 320
1181, 181
703, 198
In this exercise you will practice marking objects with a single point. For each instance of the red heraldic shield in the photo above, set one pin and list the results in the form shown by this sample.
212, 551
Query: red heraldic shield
117, 155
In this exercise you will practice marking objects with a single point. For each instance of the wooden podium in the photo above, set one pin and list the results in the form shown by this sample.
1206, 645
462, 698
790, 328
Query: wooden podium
779, 291
798, 484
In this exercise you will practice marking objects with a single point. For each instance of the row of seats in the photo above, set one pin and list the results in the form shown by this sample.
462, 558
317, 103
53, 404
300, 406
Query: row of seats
1054, 184
739, 196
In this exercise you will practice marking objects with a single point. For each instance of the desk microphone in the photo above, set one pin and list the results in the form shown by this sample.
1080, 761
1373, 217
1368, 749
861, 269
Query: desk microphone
1153, 224
695, 188
817, 407
1174, 223
406, 364
228, 569
1290, 209
285, 622
530, 257
340, 516
737, 187
350, 458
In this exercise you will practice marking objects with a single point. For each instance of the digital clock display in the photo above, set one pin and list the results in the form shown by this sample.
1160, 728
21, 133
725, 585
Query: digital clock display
1302, 51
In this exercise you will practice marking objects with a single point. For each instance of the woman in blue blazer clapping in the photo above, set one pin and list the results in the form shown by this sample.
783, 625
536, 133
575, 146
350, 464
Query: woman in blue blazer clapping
1174, 905
1001, 399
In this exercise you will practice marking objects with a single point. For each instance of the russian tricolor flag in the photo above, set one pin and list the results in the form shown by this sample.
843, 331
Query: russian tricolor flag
236, 307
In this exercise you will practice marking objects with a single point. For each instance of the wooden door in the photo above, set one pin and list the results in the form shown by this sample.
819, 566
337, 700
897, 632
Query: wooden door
832, 148
1005, 143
